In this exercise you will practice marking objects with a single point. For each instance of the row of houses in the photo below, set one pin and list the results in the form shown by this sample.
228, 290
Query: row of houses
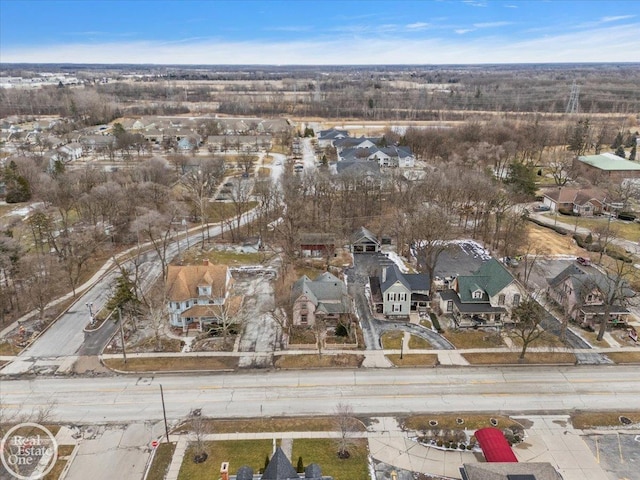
366, 149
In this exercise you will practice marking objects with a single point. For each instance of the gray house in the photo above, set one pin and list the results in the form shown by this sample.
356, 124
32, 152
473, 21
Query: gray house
324, 298
396, 294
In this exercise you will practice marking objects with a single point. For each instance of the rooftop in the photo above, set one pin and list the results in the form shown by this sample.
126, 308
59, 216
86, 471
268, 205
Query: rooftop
609, 162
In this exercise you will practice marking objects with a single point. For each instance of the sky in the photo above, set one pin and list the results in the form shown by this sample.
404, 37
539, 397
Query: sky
328, 32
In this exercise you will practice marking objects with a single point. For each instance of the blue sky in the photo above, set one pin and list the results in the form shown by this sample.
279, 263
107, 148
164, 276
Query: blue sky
319, 32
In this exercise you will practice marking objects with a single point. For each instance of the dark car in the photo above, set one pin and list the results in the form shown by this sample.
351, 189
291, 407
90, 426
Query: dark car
583, 261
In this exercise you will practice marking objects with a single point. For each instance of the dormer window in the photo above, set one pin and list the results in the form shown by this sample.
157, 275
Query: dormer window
477, 294
204, 290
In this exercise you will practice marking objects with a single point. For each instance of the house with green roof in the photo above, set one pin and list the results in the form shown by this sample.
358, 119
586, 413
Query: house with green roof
486, 297
606, 167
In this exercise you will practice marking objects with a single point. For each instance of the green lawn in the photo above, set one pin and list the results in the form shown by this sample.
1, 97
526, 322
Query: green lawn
161, 461
323, 452
627, 230
237, 452
392, 340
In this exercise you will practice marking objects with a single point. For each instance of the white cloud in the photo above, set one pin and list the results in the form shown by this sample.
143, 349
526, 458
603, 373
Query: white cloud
616, 18
491, 24
417, 26
462, 31
510, 6
607, 44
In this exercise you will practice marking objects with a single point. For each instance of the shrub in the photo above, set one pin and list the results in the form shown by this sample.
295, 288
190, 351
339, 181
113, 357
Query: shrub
435, 322
619, 256
629, 216
341, 330
300, 466
439, 443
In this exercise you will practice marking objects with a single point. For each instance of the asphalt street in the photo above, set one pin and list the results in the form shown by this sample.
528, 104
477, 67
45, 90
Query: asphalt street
369, 392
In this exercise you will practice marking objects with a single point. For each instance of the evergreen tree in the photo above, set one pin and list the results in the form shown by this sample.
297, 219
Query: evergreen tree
620, 152
16, 186
579, 136
632, 154
617, 142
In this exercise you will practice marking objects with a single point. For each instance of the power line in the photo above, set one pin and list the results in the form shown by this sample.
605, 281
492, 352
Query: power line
572, 105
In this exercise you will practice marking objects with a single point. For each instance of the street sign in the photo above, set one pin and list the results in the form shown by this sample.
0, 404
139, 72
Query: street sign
154, 444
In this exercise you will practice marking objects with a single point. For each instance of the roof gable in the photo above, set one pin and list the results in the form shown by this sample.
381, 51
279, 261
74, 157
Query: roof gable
183, 280
280, 468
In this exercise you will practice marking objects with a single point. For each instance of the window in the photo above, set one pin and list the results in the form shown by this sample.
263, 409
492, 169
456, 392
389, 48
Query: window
396, 308
477, 294
303, 319
501, 299
450, 306
516, 299
403, 297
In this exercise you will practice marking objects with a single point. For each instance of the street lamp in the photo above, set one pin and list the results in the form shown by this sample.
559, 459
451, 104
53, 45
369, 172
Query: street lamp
90, 307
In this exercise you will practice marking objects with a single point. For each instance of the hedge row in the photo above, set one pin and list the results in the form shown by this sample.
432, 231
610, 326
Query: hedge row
555, 228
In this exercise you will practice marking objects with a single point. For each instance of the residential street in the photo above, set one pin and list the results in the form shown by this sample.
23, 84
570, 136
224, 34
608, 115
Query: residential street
316, 392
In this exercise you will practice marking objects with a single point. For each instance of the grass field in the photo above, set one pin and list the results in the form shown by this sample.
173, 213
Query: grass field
414, 360
509, 358
473, 339
319, 361
584, 420
168, 364
324, 453
161, 461
238, 453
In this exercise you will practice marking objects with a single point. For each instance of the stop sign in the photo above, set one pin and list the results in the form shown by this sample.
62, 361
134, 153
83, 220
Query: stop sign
154, 444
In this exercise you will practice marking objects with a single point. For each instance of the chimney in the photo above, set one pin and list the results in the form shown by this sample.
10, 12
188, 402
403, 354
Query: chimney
224, 471
205, 262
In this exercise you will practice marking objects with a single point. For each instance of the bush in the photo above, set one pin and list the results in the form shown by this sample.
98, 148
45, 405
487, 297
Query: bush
439, 443
568, 212
619, 256
300, 466
341, 330
435, 322
629, 216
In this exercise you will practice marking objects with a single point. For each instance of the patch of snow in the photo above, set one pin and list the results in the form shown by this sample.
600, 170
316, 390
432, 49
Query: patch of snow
398, 260
472, 248
25, 211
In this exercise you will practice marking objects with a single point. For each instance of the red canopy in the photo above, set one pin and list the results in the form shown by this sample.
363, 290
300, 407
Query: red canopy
494, 446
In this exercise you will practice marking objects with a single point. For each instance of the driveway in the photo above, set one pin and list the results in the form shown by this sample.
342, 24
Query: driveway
366, 265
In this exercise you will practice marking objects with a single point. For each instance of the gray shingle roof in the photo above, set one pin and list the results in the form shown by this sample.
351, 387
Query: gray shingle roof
327, 292
280, 468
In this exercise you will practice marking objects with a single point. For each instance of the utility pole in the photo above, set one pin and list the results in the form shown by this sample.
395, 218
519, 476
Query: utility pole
572, 105
164, 414
124, 353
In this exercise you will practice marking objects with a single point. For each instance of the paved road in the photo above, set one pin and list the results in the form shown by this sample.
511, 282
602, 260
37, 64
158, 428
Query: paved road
367, 391
66, 338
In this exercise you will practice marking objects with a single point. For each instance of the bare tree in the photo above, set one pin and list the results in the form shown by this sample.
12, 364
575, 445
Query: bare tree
528, 316
615, 291
320, 334
347, 425
429, 231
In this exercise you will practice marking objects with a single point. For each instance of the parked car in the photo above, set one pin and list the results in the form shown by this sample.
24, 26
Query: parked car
541, 208
511, 261
583, 261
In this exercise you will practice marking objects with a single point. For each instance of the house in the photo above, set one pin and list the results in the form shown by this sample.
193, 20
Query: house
606, 167
188, 143
317, 244
394, 156
584, 202
324, 298
486, 297
396, 294
327, 137
281, 468
581, 292
223, 143
363, 241
197, 294
356, 143
509, 471
71, 151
